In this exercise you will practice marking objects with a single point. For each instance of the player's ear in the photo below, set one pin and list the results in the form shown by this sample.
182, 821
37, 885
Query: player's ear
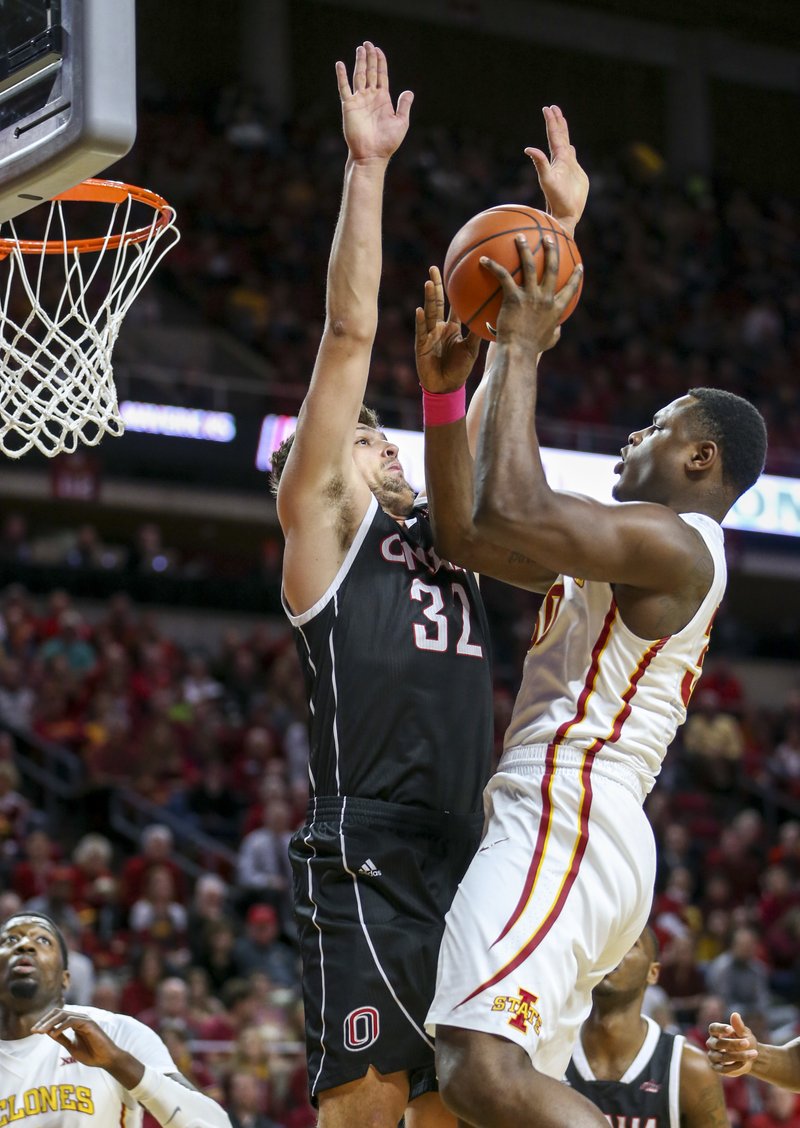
653, 973
704, 455
65, 979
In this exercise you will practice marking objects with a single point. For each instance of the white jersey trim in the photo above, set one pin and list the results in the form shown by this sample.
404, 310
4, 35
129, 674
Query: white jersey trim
675, 1082
338, 580
323, 1047
648, 1048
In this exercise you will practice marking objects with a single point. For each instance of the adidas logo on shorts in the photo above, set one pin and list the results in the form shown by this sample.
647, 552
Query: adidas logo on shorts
369, 869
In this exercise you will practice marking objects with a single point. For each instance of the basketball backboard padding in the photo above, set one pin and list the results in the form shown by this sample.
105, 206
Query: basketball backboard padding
67, 98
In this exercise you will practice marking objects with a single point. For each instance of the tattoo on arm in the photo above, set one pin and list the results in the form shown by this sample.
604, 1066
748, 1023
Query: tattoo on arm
519, 558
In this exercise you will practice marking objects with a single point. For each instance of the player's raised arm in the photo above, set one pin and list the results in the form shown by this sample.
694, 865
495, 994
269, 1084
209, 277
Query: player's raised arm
444, 361
321, 455
642, 545
564, 183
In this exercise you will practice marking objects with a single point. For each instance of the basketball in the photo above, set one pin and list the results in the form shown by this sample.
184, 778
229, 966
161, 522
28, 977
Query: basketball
473, 292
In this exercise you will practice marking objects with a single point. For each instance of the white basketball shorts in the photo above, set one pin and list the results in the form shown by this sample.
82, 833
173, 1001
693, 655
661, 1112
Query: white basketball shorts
559, 890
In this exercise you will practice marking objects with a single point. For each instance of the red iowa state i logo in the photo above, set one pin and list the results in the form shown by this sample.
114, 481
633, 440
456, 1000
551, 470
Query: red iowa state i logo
522, 1009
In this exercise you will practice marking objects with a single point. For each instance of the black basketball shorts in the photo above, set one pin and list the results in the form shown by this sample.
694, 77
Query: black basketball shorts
372, 884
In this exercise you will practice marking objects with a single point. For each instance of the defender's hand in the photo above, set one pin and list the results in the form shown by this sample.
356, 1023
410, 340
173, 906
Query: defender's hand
732, 1047
445, 357
373, 128
563, 181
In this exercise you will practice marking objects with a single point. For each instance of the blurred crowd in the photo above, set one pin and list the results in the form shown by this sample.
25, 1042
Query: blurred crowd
687, 284
217, 740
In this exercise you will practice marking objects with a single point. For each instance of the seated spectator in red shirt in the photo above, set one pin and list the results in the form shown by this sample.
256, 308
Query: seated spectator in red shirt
139, 993
239, 1011
171, 1009
31, 875
779, 894
786, 852
682, 978
156, 850
57, 902
158, 918
781, 1110
738, 861
259, 747
15, 812
719, 676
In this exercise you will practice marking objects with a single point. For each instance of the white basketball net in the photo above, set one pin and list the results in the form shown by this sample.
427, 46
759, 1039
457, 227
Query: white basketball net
60, 316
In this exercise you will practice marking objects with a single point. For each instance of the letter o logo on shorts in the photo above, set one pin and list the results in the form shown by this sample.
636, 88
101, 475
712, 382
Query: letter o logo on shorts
361, 1028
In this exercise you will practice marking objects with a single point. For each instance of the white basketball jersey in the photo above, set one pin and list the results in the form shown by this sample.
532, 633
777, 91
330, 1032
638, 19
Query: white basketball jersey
40, 1081
591, 683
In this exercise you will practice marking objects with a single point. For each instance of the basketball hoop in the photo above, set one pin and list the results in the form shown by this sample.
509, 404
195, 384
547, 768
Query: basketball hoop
56, 377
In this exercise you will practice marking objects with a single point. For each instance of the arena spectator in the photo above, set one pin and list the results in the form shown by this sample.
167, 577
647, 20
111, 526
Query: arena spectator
246, 1102
216, 954
157, 844
211, 805
712, 740
57, 901
682, 978
210, 903
171, 1009
262, 870
147, 969
261, 949
32, 874
740, 978
781, 1110
158, 918
17, 697
15, 813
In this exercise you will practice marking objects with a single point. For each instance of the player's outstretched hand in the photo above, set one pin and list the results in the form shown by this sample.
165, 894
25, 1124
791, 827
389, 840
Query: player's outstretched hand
373, 128
445, 357
732, 1047
84, 1039
532, 311
563, 181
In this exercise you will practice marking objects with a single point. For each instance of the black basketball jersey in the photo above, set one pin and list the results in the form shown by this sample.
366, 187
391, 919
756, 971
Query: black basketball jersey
646, 1096
395, 657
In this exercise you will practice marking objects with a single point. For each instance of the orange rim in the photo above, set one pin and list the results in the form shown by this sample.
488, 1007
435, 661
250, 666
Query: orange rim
99, 192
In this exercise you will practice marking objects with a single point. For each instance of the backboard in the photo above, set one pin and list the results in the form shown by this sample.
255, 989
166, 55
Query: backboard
67, 94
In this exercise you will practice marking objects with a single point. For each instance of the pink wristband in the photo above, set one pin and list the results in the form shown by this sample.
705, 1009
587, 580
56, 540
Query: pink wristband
439, 408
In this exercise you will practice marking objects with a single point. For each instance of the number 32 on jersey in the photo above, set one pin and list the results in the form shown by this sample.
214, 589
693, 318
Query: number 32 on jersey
434, 633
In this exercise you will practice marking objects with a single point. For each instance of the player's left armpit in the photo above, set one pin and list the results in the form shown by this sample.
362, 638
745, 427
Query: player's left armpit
171, 1103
